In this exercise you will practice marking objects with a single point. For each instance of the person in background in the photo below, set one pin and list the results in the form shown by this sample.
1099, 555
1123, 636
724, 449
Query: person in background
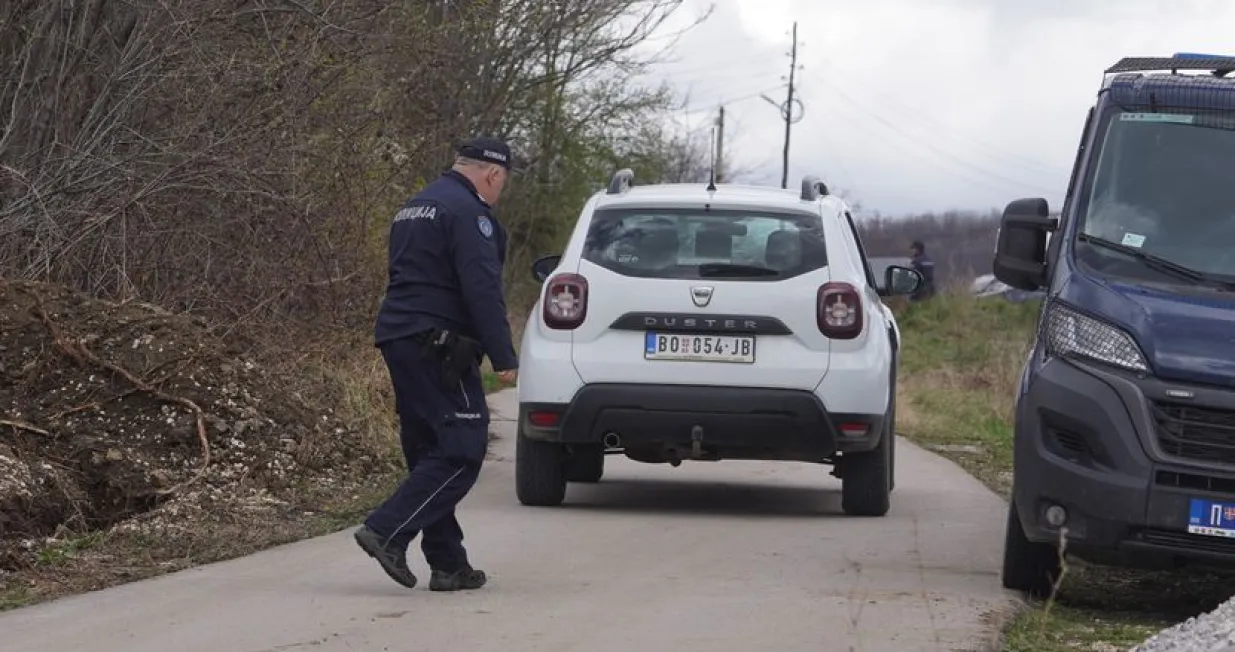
924, 266
444, 310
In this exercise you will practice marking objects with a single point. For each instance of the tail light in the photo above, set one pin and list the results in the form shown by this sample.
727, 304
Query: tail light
839, 311
565, 302
543, 418
854, 429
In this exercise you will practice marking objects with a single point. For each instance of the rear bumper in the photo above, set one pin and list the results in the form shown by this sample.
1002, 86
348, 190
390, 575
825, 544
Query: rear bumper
1087, 440
735, 423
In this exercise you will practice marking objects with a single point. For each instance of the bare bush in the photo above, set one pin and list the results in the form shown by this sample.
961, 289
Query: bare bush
240, 160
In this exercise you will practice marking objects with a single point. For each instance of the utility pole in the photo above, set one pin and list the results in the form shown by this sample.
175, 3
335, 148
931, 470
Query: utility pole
720, 145
787, 109
793, 67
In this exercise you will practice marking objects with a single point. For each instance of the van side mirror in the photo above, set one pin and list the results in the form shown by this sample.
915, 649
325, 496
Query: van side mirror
899, 280
544, 266
1020, 255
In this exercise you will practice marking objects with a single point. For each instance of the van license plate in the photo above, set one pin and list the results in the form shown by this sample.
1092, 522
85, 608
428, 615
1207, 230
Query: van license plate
699, 348
1211, 518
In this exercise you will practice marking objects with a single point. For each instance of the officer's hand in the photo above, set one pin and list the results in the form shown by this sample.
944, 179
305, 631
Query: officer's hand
508, 377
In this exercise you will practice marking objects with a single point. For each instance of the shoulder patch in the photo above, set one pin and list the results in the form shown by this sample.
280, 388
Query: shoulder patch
485, 225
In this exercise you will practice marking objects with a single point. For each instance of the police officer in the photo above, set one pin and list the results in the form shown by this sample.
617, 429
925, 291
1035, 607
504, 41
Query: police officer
444, 308
926, 267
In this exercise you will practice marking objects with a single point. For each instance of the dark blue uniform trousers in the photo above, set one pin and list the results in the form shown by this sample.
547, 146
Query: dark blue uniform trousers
444, 433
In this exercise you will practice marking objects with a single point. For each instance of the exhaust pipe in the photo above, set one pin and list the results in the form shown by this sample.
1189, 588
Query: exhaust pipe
612, 440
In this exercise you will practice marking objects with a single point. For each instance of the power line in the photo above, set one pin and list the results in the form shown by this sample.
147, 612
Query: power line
728, 87
718, 67
845, 175
898, 142
711, 104
836, 91
720, 80
994, 151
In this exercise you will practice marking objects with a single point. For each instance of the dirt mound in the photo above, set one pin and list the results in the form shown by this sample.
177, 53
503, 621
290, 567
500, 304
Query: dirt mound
126, 415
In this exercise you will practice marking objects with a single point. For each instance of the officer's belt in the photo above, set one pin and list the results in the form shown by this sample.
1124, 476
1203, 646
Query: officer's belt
457, 353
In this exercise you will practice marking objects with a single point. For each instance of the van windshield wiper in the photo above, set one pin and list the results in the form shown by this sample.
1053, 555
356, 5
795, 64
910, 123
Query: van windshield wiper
735, 269
1157, 262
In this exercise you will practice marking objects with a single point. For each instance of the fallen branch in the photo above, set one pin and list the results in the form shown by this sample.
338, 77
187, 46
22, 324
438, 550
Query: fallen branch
96, 405
92, 405
22, 425
80, 353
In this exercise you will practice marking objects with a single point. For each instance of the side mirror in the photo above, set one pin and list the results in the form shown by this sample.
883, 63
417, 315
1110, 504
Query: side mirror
899, 280
1020, 255
544, 266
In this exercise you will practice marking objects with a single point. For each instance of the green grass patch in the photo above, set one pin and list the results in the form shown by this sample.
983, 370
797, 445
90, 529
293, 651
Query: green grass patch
491, 382
961, 365
1077, 629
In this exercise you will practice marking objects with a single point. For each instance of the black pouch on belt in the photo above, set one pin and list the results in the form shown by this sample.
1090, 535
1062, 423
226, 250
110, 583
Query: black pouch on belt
457, 354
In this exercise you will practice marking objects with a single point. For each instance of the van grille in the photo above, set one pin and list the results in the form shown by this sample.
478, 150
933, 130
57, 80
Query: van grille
1199, 433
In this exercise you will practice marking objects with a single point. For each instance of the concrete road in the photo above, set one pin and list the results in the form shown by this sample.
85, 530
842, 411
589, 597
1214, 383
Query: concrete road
726, 556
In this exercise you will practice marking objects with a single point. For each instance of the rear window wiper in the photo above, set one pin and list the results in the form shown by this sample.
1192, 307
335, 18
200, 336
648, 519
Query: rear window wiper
735, 269
1157, 262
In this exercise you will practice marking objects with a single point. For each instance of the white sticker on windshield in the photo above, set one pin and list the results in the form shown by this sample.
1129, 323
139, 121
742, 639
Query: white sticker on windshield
1174, 118
1134, 240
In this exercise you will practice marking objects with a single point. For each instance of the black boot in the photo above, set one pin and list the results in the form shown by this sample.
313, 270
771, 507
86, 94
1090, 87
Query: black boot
394, 562
464, 579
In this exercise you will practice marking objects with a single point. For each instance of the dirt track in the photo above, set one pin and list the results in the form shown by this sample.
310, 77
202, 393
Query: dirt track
728, 556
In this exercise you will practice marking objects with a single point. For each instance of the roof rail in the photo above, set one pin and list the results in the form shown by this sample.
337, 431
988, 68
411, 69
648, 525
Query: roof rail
813, 188
622, 181
1219, 65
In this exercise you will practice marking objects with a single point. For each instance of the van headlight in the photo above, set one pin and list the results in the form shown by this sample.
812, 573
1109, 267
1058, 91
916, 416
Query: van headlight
1071, 334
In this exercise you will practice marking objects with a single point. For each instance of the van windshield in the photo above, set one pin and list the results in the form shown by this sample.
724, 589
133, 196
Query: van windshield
1165, 187
683, 243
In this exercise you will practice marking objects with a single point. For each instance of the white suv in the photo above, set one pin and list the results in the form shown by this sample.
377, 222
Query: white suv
699, 322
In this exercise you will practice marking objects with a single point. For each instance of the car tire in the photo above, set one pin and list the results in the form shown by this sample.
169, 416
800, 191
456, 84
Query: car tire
891, 430
866, 484
891, 461
586, 464
1028, 566
540, 472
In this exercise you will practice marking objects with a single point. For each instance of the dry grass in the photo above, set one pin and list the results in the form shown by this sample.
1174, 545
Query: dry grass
343, 375
346, 372
218, 523
961, 363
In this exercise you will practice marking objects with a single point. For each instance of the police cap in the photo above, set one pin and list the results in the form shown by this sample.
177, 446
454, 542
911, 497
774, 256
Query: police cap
490, 150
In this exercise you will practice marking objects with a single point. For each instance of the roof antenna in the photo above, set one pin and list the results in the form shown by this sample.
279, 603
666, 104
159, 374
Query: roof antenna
712, 163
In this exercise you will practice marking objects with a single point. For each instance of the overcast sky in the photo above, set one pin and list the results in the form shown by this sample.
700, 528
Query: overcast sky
914, 105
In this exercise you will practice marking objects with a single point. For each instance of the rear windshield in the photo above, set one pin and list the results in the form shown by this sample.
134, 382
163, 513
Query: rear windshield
699, 244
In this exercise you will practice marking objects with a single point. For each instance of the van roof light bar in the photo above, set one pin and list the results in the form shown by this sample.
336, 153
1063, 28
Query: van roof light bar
1218, 65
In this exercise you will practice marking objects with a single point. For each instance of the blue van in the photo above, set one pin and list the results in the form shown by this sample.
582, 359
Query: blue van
1125, 415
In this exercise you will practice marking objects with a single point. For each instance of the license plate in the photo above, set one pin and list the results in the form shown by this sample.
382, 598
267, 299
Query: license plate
1211, 518
699, 348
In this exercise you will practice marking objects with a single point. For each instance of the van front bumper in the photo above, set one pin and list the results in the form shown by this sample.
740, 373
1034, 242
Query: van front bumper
1124, 456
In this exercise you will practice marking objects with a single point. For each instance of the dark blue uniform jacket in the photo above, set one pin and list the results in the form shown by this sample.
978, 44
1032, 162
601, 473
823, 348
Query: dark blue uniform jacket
446, 257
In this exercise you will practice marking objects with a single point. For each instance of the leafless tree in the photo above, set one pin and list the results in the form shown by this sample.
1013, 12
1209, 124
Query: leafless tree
241, 159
